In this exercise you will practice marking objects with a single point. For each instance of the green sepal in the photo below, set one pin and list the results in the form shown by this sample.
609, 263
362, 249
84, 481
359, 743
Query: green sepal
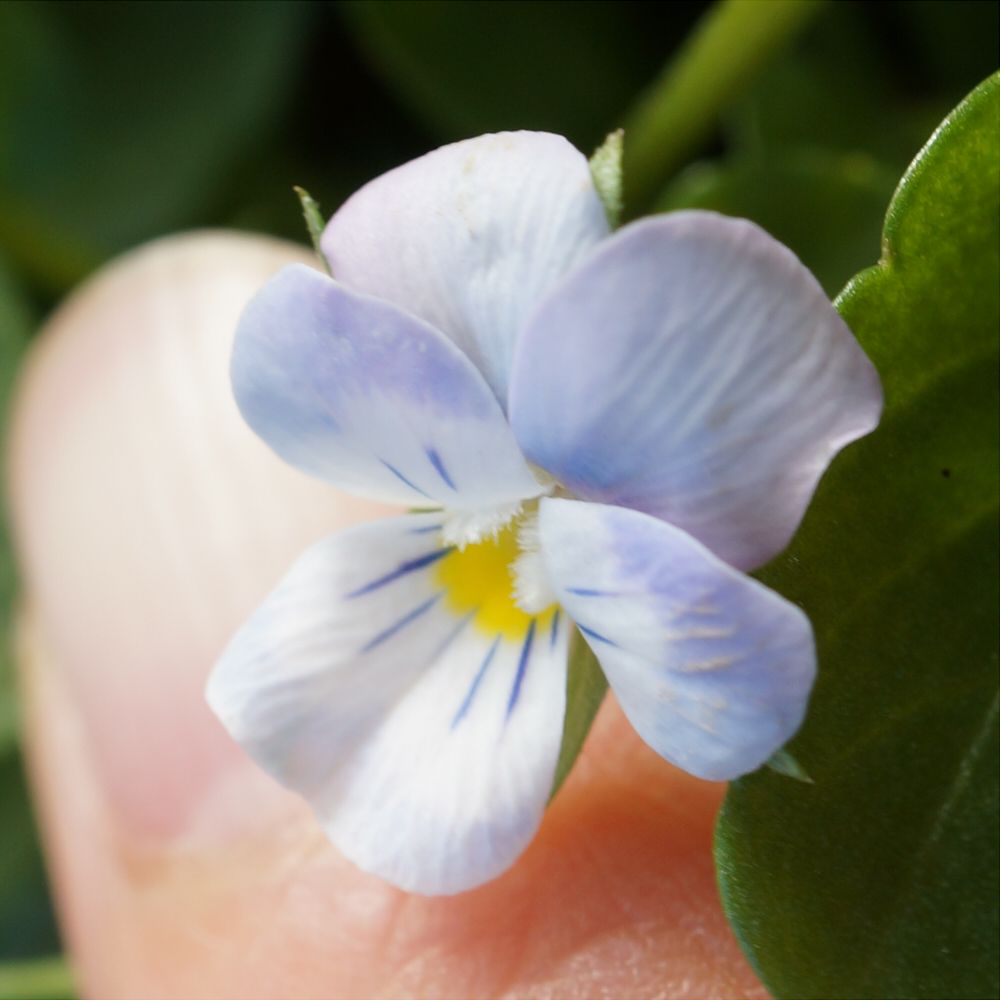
585, 688
782, 762
606, 171
314, 223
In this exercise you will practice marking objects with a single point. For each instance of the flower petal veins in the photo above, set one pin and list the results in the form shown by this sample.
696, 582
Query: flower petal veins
712, 669
470, 237
693, 369
678, 388
371, 399
423, 732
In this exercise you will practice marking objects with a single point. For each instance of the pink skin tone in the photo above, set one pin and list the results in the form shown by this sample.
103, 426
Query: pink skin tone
150, 522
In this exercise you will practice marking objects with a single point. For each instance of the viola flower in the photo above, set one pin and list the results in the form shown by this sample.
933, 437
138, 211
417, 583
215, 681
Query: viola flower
613, 429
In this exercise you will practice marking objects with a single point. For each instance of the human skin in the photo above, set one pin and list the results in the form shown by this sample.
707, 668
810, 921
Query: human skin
149, 523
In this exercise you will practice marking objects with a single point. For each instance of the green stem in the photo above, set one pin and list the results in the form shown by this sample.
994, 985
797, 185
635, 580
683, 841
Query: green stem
680, 109
37, 979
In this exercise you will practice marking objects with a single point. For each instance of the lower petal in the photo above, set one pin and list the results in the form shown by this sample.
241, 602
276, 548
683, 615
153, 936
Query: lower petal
425, 740
713, 669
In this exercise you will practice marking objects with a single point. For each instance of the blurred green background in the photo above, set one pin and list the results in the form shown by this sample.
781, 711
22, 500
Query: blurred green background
121, 121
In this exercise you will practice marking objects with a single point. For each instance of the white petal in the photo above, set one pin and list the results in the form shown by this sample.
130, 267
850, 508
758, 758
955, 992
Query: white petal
426, 745
693, 369
375, 401
713, 669
470, 237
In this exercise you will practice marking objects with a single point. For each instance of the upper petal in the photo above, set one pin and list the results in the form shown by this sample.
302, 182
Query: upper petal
373, 400
424, 737
692, 368
713, 669
470, 237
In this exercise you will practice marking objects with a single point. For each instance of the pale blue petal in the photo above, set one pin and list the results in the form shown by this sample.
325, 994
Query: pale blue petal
371, 399
425, 743
470, 237
693, 369
713, 669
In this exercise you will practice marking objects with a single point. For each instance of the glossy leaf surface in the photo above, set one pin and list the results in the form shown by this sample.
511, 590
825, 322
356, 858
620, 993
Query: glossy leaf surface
880, 879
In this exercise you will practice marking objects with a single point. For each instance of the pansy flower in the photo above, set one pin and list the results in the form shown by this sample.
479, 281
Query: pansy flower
604, 432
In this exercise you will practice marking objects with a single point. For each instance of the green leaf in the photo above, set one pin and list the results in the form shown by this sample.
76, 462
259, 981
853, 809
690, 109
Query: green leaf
836, 91
465, 68
828, 207
120, 121
881, 878
585, 688
40, 979
842, 88
16, 322
606, 170
27, 923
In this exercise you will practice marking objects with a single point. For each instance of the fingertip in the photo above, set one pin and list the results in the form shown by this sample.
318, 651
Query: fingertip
148, 519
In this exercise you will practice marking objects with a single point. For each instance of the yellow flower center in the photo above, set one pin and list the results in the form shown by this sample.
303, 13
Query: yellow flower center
478, 580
